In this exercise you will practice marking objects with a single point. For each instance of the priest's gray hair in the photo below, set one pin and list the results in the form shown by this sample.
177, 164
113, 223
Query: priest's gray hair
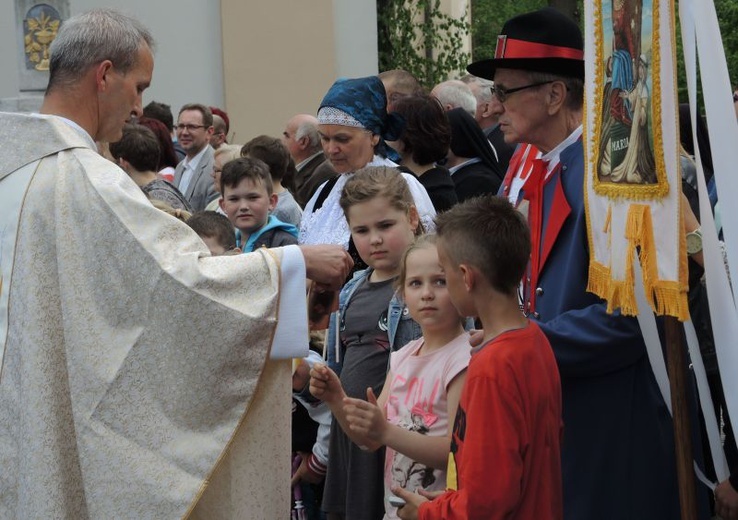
92, 37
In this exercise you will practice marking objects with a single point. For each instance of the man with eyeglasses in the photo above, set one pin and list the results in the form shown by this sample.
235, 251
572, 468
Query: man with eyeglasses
618, 445
192, 176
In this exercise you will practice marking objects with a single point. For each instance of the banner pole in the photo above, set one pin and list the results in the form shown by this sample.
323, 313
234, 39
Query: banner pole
676, 361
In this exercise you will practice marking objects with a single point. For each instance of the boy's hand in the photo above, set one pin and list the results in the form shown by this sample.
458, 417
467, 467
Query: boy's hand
365, 417
301, 376
412, 502
476, 337
303, 473
726, 501
325, 385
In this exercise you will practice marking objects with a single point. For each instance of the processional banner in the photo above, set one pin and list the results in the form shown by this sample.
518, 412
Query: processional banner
633, 177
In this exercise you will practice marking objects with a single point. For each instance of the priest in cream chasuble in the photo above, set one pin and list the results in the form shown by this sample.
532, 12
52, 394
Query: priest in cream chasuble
135, 366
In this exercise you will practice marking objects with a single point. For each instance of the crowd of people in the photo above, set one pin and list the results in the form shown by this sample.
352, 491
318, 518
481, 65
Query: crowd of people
461, 369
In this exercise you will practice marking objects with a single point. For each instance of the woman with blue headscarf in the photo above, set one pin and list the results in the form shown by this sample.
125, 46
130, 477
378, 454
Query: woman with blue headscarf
353, 124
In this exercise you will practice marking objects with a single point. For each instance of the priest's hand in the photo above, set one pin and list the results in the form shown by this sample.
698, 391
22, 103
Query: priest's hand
726, 501
327, 265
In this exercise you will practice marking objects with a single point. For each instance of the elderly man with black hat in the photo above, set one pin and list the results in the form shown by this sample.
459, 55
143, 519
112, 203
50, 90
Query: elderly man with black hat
618, 457
618, 448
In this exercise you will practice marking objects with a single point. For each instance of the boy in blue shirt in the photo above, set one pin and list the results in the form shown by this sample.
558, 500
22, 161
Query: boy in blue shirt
247, 200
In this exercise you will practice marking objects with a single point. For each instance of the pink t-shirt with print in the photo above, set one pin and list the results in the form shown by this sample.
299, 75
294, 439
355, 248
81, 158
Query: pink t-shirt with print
417, 401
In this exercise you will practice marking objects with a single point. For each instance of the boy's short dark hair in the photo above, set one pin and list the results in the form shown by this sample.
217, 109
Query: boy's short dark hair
139, 146
211, 224
161, 112
270, 150
489, 234
242, 168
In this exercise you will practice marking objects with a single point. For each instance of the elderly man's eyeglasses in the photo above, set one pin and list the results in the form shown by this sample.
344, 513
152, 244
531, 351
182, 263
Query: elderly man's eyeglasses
189, 128
502, 93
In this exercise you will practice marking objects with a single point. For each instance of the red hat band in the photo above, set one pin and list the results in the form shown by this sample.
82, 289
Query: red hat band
508, 48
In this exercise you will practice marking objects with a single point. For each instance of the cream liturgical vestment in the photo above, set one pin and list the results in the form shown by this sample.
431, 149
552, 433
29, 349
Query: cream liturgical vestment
139, 377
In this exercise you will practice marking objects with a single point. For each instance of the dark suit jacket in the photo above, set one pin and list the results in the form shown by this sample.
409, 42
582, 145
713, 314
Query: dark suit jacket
503, 150
441, 189
313, 174
475, 179
201, 189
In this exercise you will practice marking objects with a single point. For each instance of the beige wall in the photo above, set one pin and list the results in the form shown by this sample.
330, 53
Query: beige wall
269, 73
280, 57
263, 61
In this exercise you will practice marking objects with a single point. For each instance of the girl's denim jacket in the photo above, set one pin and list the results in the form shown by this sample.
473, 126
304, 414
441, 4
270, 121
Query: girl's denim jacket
401, 328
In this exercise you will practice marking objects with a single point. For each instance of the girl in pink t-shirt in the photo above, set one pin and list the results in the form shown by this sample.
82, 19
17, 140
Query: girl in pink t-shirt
414, 413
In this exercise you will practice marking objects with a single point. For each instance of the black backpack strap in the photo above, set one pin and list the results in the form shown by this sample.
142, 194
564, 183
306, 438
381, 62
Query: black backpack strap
358, 262
324, 193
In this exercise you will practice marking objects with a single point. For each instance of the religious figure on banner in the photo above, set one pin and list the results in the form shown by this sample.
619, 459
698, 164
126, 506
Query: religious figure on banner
625, 145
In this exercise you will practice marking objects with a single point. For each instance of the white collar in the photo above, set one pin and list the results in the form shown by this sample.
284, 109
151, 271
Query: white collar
302, 164
456, 168
553, 157
196, 159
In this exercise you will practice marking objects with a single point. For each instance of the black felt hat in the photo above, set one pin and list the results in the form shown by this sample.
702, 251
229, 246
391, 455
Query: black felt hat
543, 41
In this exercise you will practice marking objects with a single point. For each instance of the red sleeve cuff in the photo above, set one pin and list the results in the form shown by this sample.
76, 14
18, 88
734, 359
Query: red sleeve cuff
315, 467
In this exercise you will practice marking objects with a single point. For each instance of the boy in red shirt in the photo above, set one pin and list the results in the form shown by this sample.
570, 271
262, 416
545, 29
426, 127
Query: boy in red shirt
506, 442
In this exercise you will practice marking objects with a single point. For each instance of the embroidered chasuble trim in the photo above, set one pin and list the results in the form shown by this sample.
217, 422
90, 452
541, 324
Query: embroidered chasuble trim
12, 197
254, 396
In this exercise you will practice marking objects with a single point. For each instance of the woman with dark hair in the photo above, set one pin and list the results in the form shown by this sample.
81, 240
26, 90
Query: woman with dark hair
471, 161
424, 142
168, 157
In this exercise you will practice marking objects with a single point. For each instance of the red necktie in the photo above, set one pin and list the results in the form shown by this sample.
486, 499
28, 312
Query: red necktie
533, 193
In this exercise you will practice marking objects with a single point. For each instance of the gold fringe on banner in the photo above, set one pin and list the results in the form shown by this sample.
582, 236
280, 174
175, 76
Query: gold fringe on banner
664, 296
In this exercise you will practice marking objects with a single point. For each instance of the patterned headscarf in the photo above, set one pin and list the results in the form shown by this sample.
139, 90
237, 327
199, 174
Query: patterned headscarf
361, 100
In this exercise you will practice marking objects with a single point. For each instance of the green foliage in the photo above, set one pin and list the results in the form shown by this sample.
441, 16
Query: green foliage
417, 36
727, 14
488, 17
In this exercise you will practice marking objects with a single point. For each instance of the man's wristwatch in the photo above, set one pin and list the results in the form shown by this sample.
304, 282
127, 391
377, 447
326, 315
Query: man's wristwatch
694, 242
